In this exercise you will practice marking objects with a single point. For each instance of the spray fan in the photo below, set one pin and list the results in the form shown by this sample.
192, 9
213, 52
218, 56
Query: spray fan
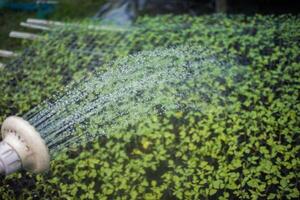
22, 147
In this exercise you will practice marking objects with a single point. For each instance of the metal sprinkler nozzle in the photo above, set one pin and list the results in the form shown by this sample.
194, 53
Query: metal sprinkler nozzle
22, 147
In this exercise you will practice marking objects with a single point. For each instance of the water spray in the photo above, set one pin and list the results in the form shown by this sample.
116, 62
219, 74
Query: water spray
149, 83
22, 147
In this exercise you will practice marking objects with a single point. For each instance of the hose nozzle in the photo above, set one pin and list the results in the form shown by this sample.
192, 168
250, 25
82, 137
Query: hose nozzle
22, 147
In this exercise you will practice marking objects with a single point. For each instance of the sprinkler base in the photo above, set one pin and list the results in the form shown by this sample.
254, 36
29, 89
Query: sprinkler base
9, 159
22, 146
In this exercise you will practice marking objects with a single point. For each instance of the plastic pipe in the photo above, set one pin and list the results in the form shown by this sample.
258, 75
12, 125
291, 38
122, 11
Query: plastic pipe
7, 54
24, 35
40, 27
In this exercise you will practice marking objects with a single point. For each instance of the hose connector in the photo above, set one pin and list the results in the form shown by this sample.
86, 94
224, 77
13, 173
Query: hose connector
22, 147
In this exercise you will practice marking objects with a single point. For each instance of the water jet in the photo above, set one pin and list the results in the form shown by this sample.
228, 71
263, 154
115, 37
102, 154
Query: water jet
149, 83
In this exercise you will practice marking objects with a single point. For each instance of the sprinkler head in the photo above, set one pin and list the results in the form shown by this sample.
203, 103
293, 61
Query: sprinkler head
22, 147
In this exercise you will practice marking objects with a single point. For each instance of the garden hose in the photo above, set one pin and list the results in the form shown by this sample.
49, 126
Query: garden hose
22, 147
